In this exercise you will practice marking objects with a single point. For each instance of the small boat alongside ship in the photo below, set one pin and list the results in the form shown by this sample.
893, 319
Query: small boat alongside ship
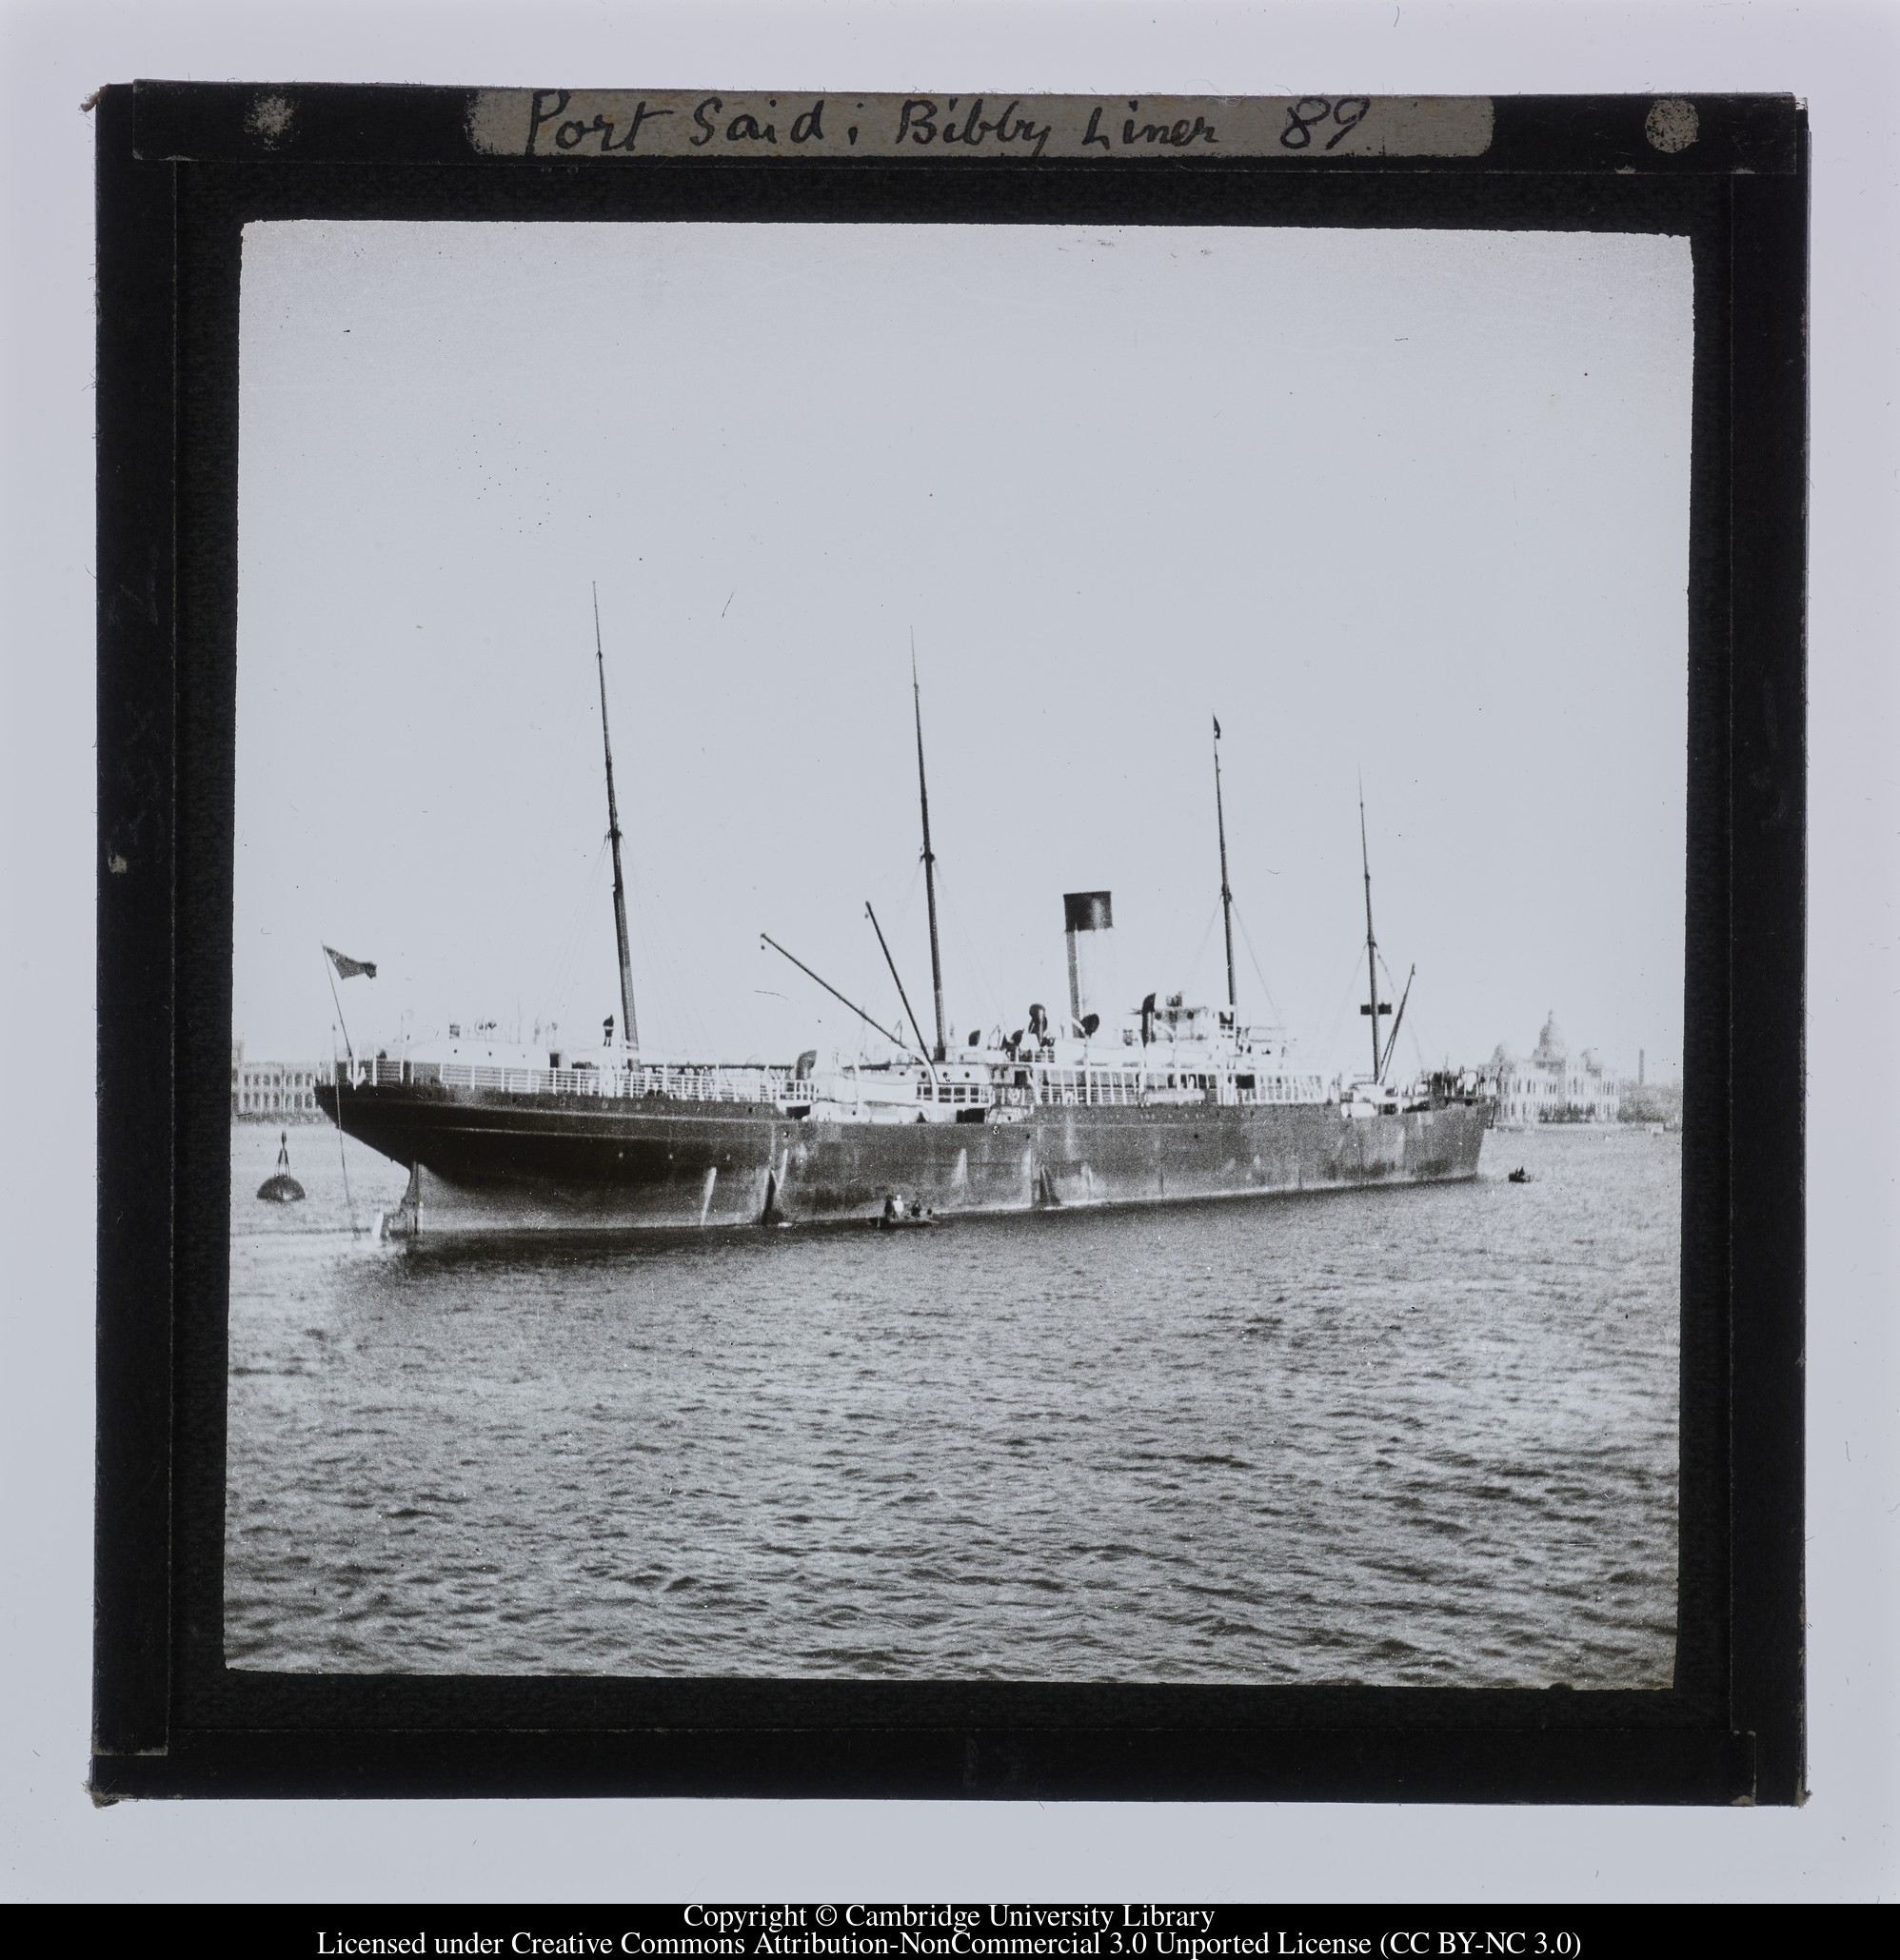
895, 1219
1166, 1102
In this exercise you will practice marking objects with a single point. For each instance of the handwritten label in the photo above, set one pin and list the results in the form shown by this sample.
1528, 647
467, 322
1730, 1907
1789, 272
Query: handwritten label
594, 125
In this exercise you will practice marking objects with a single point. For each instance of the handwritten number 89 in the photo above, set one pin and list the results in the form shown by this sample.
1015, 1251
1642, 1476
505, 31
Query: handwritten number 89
1312, 112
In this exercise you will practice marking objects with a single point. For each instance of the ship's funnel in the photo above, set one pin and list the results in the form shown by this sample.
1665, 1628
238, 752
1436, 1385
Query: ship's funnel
1089, 925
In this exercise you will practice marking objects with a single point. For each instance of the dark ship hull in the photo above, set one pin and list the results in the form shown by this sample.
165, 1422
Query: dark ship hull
486, 1161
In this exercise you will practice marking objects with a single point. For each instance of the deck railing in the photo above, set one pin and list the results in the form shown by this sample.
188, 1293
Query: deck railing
757, 1083
712, 1082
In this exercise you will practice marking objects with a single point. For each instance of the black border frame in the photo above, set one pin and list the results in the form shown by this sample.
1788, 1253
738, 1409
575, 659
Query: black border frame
179, 174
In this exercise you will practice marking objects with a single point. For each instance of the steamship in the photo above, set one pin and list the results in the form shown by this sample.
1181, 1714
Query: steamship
1163, 1103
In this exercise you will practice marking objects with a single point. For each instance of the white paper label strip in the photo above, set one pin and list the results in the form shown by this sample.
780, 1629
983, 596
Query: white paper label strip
608, 123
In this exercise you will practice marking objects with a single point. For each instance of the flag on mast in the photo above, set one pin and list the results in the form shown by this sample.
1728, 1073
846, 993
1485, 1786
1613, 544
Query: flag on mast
347, 968
1216, 728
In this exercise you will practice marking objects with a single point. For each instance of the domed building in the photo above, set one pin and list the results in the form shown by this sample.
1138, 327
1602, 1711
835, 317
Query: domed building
1550, 1087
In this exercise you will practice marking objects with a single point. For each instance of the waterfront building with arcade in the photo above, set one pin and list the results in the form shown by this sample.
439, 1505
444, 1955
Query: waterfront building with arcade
273, 1092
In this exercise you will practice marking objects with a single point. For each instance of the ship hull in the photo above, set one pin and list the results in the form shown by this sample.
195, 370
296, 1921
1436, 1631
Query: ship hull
490, 1163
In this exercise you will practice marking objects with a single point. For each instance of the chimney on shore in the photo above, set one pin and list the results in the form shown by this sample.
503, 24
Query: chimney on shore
1088, 924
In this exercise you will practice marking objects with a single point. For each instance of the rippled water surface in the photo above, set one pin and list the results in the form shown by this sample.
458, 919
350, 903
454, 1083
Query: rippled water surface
1406, 1435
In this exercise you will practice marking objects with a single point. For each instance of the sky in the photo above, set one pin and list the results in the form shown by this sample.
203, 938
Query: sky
1406, 509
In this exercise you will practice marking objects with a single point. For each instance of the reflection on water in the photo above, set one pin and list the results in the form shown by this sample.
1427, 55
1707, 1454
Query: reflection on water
1420, 1436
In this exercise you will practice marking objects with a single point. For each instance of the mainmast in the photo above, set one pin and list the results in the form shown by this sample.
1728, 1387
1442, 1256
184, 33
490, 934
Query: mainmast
1378, 1006
1226, 896
929, 857
630, 1028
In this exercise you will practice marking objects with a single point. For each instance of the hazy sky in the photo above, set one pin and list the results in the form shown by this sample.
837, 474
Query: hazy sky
1411, 505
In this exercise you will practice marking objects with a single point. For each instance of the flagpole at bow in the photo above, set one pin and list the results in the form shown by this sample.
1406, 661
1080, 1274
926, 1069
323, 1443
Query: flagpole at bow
341, 966
331, 976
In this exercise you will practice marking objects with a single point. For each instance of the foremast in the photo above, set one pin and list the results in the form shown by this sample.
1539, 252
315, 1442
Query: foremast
629, 1027
1226, 892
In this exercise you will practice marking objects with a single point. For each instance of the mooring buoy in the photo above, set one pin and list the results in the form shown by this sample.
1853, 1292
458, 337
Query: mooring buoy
281, 1187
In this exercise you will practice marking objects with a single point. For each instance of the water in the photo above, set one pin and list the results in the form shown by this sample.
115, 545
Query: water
1404, 1437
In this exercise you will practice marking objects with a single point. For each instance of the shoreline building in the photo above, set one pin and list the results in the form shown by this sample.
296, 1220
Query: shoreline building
273, 1092
1551, 1086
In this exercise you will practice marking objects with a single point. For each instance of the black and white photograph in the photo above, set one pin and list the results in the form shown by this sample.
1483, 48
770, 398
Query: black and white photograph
1053, 919
958, 952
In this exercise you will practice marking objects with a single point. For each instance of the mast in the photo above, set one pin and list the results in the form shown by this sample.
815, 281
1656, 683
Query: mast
929, 856
630, 1028
1226, 896
1378, 1006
